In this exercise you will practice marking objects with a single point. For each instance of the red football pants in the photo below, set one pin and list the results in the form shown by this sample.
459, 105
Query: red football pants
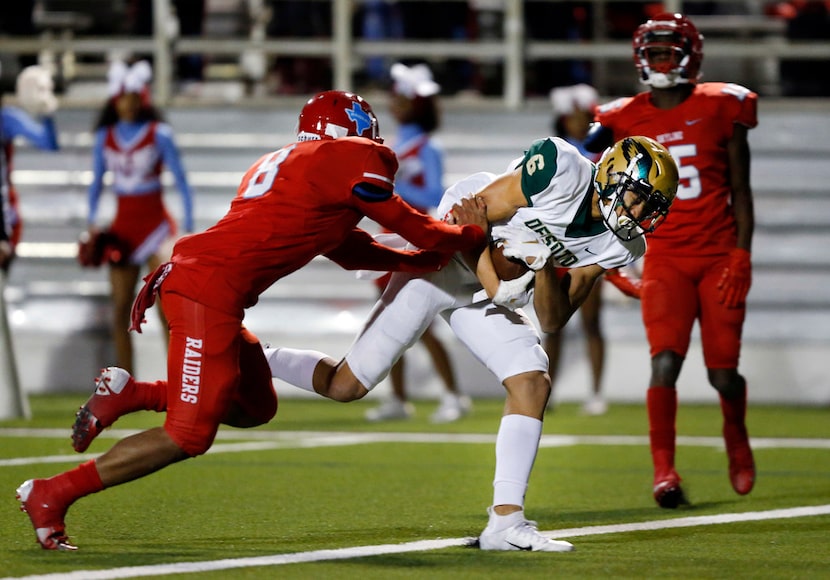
676, 292
213, 363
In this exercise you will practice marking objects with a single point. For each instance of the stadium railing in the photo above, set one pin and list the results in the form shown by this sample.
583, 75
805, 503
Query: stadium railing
749, 38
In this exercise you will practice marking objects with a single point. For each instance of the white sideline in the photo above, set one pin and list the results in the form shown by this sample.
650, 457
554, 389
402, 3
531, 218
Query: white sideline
419, 546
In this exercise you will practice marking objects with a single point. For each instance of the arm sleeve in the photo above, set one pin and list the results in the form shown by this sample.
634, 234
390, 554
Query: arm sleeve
41, 133
99, 167
360, 251
422, 230
172, 159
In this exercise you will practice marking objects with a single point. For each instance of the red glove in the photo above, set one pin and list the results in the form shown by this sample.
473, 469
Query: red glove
736, 279
629, 286
147, 295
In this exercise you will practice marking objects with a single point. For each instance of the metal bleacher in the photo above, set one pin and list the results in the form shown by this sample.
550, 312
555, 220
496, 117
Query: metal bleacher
59, 311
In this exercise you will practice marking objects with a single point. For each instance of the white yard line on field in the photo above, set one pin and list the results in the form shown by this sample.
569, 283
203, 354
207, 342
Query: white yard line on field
419, 546
261, 440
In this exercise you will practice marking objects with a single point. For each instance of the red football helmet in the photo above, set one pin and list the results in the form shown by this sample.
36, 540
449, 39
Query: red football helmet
333, 114
668, 51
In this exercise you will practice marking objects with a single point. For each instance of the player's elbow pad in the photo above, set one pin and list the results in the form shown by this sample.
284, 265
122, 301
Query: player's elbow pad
599, 138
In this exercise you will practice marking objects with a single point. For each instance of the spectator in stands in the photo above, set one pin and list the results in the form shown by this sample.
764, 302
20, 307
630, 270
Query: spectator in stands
134, 143
806, 20
17, 19
300, 19
380, 20
560, 21
419, 181
190, 15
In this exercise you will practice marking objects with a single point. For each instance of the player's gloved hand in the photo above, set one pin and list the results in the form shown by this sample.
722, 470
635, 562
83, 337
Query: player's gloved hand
631, 287
522, 244
34, 91
736, 278
515, 293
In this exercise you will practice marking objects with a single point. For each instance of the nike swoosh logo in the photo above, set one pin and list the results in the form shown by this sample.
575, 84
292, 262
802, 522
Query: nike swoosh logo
693, 122
588, 250
524, 548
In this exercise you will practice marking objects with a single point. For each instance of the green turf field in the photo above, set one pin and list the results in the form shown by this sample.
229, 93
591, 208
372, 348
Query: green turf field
320, 478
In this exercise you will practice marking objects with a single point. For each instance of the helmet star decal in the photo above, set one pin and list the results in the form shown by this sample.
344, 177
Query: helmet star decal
359, 117
336, 114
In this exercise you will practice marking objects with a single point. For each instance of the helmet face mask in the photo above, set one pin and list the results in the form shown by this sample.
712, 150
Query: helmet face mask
335, 114
673, 36
636, 182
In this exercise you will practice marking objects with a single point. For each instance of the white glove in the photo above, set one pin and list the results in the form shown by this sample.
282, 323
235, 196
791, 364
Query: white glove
514, 294
522, 244
35, 91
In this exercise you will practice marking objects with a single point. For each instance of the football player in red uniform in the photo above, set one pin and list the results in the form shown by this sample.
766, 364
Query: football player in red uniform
698, 265
293, 204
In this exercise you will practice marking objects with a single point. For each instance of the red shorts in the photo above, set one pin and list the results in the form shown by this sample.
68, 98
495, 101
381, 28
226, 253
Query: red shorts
676, 292
213, 363
142, 225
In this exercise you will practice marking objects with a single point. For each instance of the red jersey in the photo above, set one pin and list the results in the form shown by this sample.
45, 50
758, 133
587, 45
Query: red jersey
293, 204
696, 133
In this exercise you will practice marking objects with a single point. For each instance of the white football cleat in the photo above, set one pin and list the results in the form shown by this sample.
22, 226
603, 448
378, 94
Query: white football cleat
522, 534
391, 410
452, 408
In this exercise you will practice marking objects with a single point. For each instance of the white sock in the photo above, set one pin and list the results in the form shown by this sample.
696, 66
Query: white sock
516, 445
497, 523
294, 366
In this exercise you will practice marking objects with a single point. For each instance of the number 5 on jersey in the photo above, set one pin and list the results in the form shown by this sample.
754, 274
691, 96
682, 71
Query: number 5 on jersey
263, 178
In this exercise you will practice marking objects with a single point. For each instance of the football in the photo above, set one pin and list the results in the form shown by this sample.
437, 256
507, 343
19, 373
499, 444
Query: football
506, 268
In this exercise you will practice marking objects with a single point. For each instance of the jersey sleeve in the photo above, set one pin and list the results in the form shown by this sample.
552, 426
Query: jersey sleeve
465, 187
538, 168
422, 230
375, 179
747, 105
607, 116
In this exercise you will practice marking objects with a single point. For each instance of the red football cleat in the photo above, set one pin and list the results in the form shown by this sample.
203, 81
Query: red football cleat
107, 403
46, 518
741, 462
668, 493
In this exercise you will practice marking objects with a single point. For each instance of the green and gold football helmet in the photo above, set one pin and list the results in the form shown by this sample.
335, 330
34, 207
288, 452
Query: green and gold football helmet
636, 180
